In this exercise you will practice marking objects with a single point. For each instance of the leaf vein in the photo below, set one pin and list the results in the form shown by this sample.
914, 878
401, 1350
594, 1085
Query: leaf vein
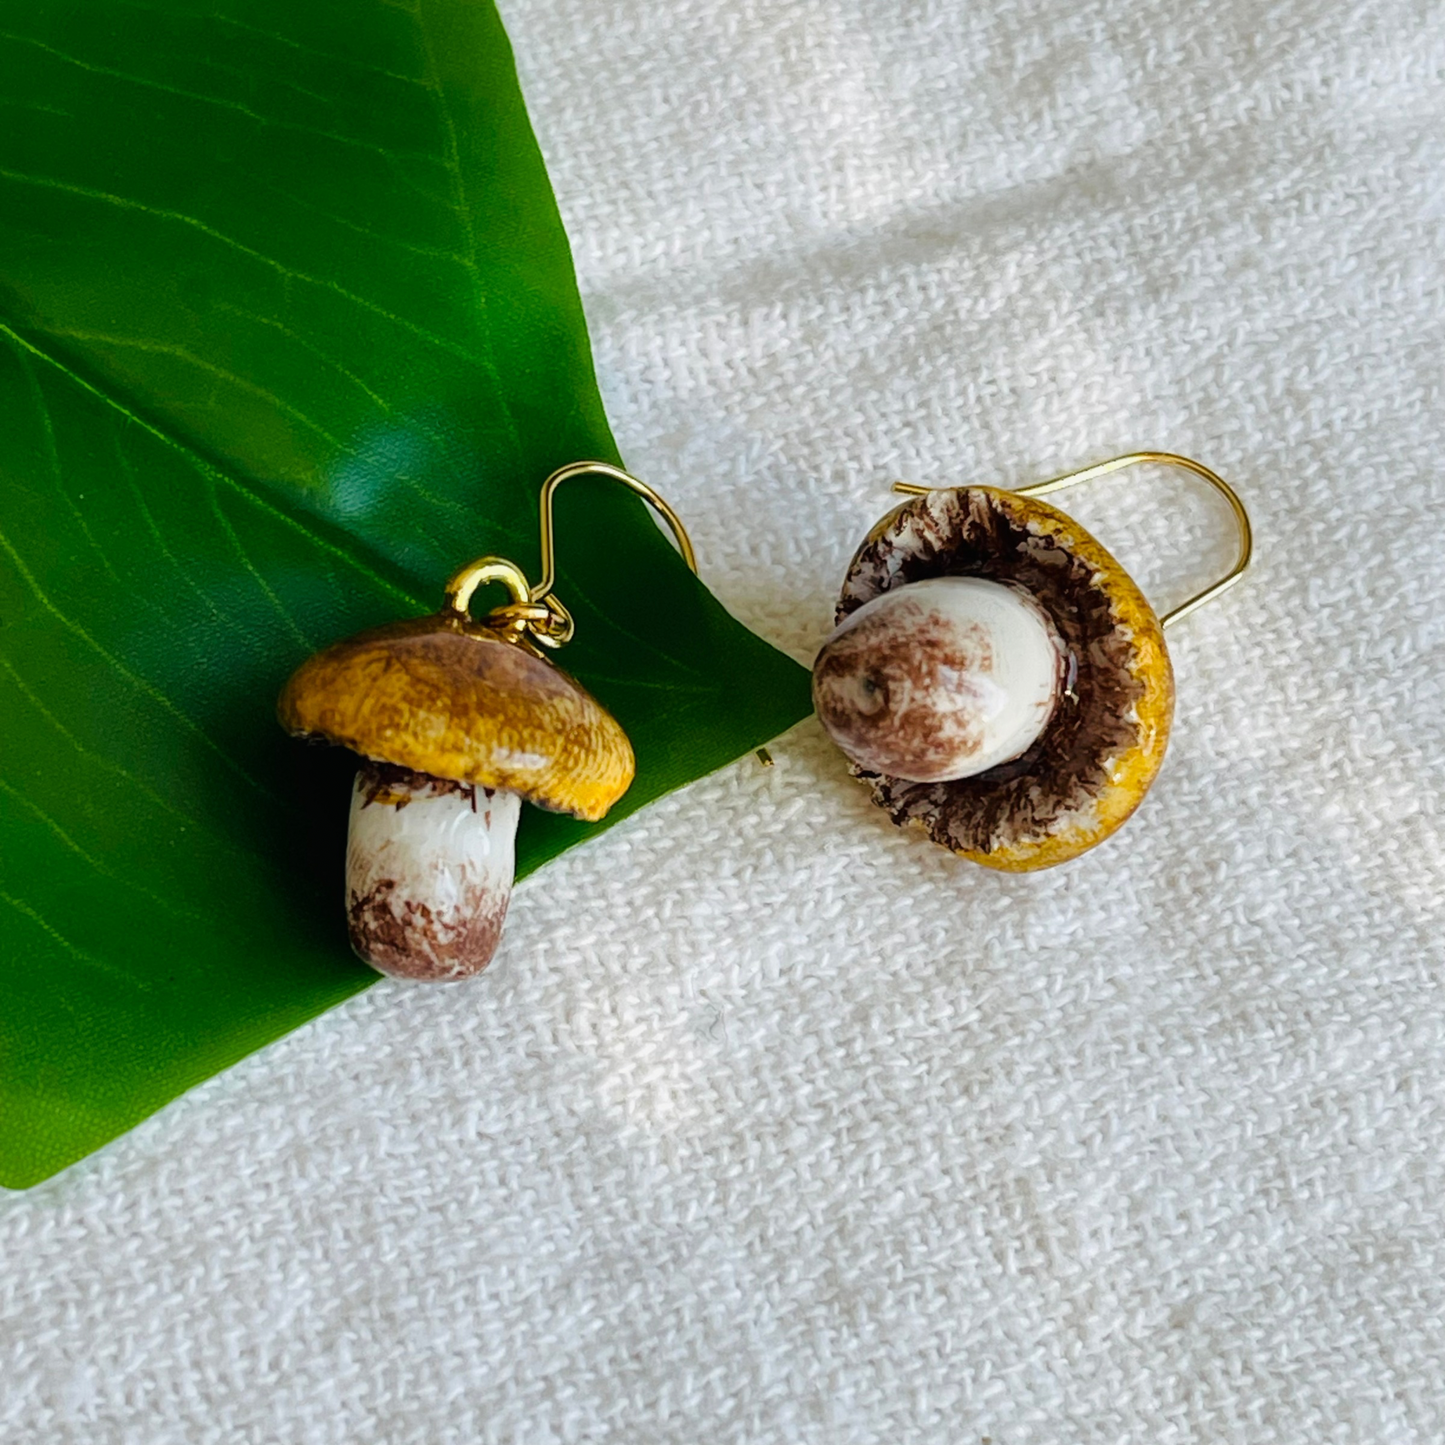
255, 498
100, 760
95, 863
191, 585
254, 572
201, 97
433, 253
451, 157
180, 218
52, 460
136, 681
182, 353
326, 55
74, 950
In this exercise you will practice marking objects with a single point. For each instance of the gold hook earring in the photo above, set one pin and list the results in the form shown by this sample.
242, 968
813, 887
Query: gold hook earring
458, 722
535, 615
996, 677
1139, 459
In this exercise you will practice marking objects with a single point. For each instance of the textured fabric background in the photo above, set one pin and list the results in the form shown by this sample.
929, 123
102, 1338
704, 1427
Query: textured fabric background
771, 1124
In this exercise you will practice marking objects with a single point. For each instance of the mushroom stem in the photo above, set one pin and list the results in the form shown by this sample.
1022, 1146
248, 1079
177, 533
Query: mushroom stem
429, 867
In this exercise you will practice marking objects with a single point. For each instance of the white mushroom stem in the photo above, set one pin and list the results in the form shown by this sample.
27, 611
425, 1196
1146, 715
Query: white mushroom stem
429, 868
940, 679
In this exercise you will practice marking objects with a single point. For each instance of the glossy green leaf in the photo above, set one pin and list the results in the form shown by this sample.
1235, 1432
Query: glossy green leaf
288, 330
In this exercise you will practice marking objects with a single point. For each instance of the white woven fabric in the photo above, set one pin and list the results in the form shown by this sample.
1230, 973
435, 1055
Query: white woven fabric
771, 1124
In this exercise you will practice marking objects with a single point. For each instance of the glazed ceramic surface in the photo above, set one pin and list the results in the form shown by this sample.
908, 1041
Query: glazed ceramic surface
429, 868
940, 679
447, 697
1101, 747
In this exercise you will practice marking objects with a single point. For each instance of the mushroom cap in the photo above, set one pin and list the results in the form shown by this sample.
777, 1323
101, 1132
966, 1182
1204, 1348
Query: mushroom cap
446, 696
1101, 748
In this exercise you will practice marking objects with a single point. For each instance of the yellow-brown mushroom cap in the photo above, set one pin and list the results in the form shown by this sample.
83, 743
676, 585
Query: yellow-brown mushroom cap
446, 696
1102, 746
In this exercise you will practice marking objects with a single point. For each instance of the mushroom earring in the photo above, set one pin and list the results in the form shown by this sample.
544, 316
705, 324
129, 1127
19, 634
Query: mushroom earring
459, 722
996, 677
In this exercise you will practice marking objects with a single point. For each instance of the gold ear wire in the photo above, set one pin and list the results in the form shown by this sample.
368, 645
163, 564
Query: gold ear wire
1135, 459
601, 469
534, 614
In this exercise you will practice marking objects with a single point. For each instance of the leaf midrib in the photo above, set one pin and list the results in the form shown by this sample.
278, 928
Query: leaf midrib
259, 495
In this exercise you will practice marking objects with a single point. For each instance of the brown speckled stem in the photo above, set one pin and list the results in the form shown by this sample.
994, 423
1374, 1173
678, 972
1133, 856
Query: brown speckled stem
429, 872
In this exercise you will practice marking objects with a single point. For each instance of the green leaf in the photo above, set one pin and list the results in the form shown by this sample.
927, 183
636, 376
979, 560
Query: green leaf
288, 331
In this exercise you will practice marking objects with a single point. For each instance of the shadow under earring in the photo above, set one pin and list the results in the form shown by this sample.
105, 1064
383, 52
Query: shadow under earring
460, 721
996, 677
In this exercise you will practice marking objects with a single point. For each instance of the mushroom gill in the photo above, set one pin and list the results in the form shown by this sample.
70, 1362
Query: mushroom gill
1103, 739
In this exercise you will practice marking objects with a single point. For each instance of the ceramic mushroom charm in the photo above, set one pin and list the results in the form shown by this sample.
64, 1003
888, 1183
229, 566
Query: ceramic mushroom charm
459, 722
458, 726
996, 677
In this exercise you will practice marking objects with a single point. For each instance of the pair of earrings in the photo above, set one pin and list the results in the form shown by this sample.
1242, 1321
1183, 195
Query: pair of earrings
994, 676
